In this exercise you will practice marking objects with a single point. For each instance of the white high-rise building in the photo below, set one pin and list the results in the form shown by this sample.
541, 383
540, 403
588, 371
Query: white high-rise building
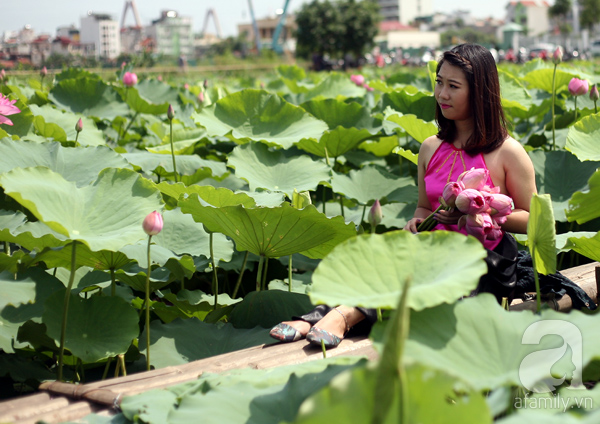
172, 34
101, 30
404, 11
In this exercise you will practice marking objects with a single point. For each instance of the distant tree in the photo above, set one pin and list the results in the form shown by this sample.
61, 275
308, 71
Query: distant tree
558, 12
467, 35
590, 13
336, 28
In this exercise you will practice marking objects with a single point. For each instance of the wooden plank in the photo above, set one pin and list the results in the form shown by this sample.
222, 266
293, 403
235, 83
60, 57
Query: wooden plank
72, 412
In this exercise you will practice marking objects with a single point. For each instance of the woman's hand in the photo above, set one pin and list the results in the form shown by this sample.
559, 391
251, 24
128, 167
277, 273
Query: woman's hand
413, 224
448, 217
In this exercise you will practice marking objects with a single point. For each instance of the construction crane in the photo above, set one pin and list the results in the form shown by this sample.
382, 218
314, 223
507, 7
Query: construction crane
276, 46
254, 27
213, 13
130, 4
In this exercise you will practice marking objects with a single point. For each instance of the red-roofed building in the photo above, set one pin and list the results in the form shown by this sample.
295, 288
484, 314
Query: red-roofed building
531, 14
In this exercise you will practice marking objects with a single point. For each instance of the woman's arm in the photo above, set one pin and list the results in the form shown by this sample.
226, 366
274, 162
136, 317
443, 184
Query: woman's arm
423, 206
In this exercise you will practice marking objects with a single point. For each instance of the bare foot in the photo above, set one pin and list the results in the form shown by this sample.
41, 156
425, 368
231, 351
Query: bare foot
334, 322
301, 326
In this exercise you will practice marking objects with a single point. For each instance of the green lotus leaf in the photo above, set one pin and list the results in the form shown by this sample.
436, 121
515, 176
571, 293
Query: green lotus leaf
140, 104
541, 234
158, 92
101, 260
89, 136
369, 183
23, 370
582, 139
24, 154
528, 416
272, 232
336, 142
188, 304
183, 341
13, 317
269, 199
410, 100
74, 73
563, 240
258, 115
433, 397
89, 97
407, 154
586, 246
336, 113
97, 328
370, 270
268, 308
438, 337
186, 164
334, 86
293, 72
550, 181
275, 171
106, 215
209, 195
585, 205
135, 277
14, 292
514, 94
380, 147
33, 236
49, 130
184, 139
415, 127
542, 79
396, 215
22, 121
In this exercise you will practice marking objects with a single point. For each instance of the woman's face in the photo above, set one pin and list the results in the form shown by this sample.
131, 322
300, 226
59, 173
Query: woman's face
452, 93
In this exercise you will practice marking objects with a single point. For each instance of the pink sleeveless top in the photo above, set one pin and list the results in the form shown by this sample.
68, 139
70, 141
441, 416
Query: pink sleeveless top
446, 164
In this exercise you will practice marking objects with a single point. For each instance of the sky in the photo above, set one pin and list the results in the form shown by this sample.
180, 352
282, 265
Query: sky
45, 16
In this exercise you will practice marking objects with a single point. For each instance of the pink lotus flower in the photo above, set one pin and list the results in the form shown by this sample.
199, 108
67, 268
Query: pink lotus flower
7, 107
496, 232
79, 125
130, 79
578, 87
153, 223
474, 178
186, 86
500, 204
451, 191
368, 87
470, 201
201, 97
375, 214
357, 79
477, 225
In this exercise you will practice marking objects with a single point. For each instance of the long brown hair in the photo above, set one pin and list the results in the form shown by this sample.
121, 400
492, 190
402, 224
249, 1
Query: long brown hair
479, 67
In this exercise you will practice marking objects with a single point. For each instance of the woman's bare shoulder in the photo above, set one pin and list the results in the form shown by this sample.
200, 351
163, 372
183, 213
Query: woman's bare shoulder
428, 148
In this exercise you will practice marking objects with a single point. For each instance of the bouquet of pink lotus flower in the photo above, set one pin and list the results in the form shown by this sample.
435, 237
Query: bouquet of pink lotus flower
484, 207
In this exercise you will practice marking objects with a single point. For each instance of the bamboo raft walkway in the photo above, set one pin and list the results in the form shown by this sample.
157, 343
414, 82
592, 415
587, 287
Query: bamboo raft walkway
58, 402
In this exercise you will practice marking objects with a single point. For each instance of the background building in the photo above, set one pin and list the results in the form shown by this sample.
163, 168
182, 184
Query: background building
172, 34
532, 15
404, 11
102, 31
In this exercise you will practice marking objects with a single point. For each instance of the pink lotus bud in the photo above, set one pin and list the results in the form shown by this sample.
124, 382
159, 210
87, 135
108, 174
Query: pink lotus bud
153, 223
368, 87
501, 204
357, 79
474, 178
159, 78
375, 214
2, 74
201, 97
205, 84
451, 190
7, 107
557, 55
44, 72
262, 85
470, 201
170, 112
594, 95
123, 65
496, 232
79, 125
186, 86
130, 79
578, 87
489, 190
477, 225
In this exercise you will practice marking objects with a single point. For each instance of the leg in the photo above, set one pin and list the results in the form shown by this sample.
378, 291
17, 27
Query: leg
332, 328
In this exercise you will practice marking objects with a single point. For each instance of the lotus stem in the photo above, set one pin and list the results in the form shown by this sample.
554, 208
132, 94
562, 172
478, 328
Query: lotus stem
173, 150
553, 102
215, 283
538, 293
7, 248
575, 108
117, 368
264, 279
147, 301
426, 225
127, 127
113, 282
121, 359
290, 272
324, 349
324, 198
259, 272
404, 328
595, 106
379, 316
63, 328
362, 218
106, 367
239, 280
342, 205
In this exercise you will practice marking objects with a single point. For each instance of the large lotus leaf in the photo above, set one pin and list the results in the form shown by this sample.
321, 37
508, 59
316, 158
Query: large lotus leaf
432, 397
157, 91
275, 171
273, 232
514, 94
49, 130
183, 341
12, 317
291, 72
439, 338
89, 136
528, 416
396, 215
268, 308
582, 139
550, 181
15, 292
186, 164
380, 147
585, 206
135, 277
140, 104
184, 139
369, 183
258, 115
186, 304
97, 328
334, 86
88, 96
24, 370
106, 215
22, 121
336, 113
336, 142
269, 199
415, 127
410, 100
209, 195
74, 73
101, 260
65, 161
371, 270
542, 79
541, 234
586, 246
33, 236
